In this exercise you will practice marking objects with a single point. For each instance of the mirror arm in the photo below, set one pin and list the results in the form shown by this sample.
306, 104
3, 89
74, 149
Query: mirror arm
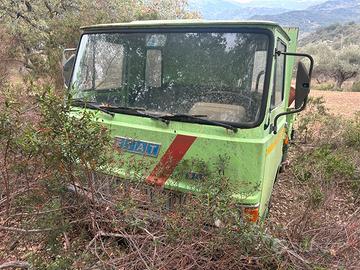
308, 56
273, 128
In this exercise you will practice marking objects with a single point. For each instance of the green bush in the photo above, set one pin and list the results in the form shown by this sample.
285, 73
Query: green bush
317, 126
324, 164
352, 132
332, 163
44, 153
332, 159
324, 86
356, 87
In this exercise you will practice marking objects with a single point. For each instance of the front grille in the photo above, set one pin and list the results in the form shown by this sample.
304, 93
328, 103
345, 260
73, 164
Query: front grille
141, 192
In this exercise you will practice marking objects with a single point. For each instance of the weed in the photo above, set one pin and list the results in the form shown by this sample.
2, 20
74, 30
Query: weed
352, 132
324, 86
316, 197
356, 87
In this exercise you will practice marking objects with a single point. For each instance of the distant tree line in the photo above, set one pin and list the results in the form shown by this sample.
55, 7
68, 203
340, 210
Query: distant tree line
338, 64
336, 51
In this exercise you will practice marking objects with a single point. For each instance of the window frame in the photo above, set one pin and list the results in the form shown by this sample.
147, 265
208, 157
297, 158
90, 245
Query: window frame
221, 29
273, 93
124, 63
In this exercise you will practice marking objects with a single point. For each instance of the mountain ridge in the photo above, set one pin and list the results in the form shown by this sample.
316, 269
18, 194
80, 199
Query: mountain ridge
321, 15
335, 35
227, 9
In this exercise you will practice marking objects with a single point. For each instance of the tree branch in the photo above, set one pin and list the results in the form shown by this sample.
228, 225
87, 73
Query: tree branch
15, 264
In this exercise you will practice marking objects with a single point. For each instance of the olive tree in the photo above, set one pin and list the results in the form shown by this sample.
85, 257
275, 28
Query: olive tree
346, 64
339, 64
44, 27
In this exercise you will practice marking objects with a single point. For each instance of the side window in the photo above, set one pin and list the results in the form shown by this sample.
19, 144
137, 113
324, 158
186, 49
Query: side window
279, 79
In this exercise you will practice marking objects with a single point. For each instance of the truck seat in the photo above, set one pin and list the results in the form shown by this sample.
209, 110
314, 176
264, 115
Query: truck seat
219, 112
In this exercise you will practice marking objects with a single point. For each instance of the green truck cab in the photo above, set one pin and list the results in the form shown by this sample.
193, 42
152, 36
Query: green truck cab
190, 100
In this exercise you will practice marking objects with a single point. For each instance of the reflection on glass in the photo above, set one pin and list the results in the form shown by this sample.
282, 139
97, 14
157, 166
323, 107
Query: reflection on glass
217, 75
153, 68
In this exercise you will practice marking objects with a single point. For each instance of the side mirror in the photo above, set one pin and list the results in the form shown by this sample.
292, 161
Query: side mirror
67, 70
302, 89
303, 79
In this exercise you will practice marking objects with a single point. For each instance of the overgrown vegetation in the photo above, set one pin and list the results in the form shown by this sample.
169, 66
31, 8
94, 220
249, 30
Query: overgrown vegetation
57, 213
325, 176
54, 204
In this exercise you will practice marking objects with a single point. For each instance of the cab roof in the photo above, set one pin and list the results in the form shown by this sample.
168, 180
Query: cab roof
182, 23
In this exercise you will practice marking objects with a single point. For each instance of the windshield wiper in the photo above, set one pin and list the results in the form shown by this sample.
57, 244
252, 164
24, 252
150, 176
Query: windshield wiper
198, 119
90, 105
136, 111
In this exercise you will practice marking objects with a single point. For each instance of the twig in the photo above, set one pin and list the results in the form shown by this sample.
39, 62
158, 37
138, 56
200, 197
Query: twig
119, 235
12, 229
15, 264
67, 242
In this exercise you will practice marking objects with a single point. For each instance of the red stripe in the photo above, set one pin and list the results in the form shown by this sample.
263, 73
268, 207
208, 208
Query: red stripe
170, 159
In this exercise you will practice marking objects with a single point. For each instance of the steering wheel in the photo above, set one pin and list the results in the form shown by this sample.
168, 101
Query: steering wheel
238, 95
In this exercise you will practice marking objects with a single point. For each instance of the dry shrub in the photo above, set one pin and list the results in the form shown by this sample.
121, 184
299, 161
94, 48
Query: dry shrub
317, 125
4, 57
324, 174
57, 213
352, 132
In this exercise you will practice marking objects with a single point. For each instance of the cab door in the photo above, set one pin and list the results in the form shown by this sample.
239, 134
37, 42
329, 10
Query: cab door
274, 145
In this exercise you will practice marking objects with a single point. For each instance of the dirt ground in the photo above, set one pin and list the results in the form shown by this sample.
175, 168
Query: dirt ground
342, 103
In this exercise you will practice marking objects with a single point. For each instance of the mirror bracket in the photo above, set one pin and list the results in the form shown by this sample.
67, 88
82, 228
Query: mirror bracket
273, 127
308, 56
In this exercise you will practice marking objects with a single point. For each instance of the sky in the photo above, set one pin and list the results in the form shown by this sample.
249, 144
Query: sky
291, 4
243, 1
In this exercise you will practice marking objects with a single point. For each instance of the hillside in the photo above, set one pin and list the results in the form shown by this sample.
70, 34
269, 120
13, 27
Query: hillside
337, 34
327, 13
222, 9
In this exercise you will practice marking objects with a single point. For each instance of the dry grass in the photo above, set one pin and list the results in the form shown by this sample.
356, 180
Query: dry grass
327, 230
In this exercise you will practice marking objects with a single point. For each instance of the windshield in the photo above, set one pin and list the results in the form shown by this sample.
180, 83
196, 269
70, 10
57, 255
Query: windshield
215, 75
